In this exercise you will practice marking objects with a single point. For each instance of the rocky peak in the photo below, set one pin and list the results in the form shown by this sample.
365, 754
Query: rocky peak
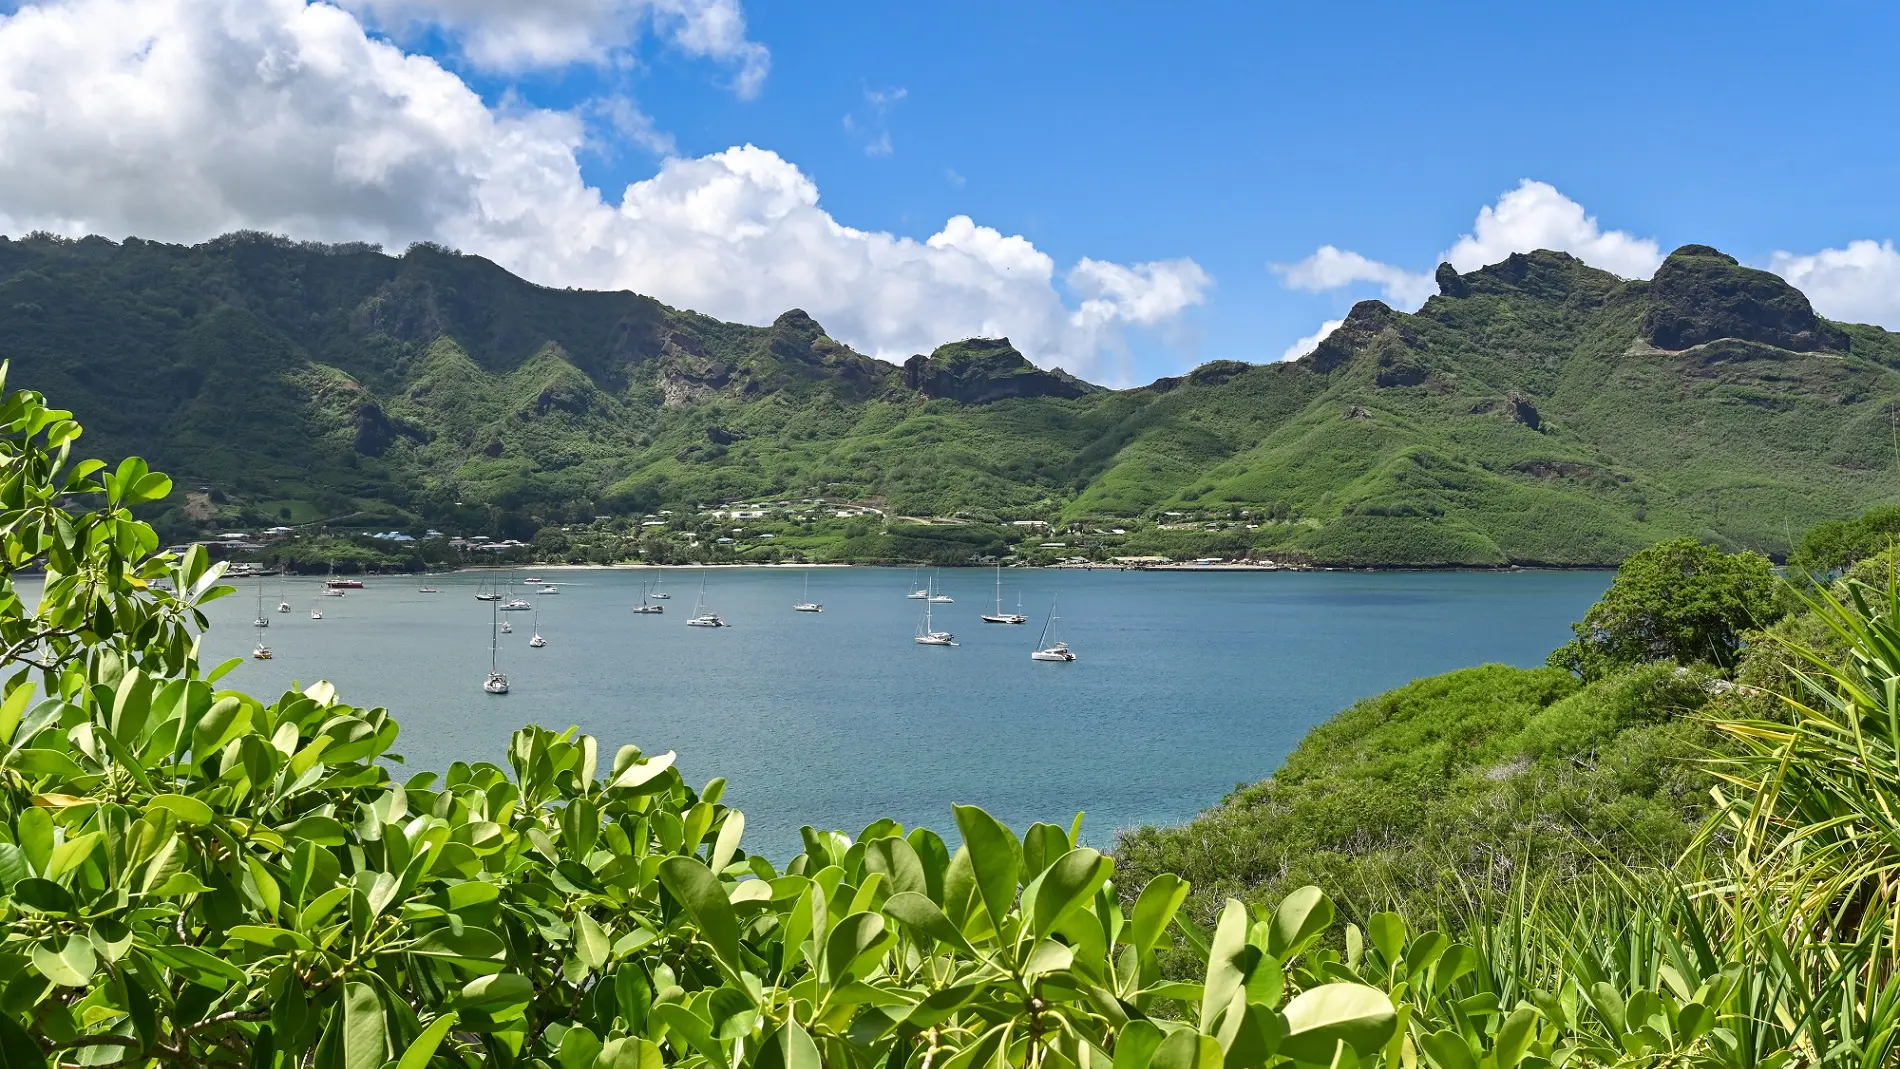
1450, 282
1700, 294
981, 370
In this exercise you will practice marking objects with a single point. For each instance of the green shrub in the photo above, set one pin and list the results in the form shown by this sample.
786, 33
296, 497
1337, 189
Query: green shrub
1677, 601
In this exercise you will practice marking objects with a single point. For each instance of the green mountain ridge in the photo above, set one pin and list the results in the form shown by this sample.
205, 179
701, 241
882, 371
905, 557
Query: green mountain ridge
1536, 411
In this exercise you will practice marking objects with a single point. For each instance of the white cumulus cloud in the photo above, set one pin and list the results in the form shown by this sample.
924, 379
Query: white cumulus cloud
1536, 216
181, 119
1311, 341
1331, 268
1532, 216
519, 35
1857, 284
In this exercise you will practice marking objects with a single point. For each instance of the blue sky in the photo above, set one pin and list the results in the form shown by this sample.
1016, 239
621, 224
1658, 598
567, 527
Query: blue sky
1235, 136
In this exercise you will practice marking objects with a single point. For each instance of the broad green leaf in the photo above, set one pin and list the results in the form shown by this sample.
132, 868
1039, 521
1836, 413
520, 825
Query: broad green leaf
921, 914
35, 833
854, 943
35, 761
727, 844
630, 1053
696, 888
1070, 882
591, 942
1184, 1049
418, 1053
1135, 1046
71, 854
188, 809
17, 1049
995, 856
1225, 970
1154, 909
1318, 1018
500, 996
790, 1047
280, 939
365, 1030
1514, 1038
640, 773
225, 720
1446, 1049
69, 963
42, 895
471, 945
1387, 932
13, 709
1301, 918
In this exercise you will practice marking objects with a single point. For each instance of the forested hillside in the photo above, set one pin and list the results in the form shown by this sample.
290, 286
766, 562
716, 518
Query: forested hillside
1536, 411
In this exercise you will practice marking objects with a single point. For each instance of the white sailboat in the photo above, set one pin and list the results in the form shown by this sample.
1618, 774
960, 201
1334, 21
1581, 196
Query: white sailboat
808, 605
646, 606
316, 608
999, 616
702, 616
938, 596
514, 604
261, 651
262, 620
537, 641
920, 593
283, 601
507, 628
1047, 651
496, 683
658, 594
927, 633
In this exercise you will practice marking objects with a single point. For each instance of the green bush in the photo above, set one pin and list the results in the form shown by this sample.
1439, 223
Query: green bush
1677, 601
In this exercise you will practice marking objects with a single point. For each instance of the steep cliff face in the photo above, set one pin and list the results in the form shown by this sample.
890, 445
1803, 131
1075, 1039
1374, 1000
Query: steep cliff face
1702, 295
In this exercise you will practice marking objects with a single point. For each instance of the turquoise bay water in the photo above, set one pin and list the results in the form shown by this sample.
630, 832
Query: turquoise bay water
1186, 684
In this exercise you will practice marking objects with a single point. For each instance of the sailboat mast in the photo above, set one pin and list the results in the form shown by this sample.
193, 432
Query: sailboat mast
1043, 642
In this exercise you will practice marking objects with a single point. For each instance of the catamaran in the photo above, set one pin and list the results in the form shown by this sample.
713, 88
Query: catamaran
999, 616
702, 616
514, 604
1045, 651
497, 683
927, 633
808, 605
645, 606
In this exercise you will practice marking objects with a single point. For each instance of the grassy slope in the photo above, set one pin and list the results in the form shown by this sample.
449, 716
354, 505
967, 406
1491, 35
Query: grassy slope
322, 381
1419, 795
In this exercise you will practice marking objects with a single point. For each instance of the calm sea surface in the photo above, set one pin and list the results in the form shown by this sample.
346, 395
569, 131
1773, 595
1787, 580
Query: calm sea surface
1186, 683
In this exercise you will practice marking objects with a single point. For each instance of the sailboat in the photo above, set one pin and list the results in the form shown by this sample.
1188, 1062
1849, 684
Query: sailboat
262, 620
702, 616
482, 593
283, 601
645, 606
514, 604
330, 587
497, 683
927, 633
261, 652
1059, 651
999, 616
537, 641
920, 593
507, 628
658, 594
808, 605
316, 608
933, 594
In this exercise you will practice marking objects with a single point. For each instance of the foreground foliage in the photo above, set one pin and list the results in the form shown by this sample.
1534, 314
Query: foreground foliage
194, 876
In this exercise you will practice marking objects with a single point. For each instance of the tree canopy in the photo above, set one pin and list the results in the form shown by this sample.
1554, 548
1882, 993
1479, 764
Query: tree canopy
1677, 601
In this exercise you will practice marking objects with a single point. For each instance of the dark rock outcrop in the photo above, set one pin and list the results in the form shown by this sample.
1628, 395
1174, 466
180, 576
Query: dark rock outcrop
982, 370
1700, 294
1451, 283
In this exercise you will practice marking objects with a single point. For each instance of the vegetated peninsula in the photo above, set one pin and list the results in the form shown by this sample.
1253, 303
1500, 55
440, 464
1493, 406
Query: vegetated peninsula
1537, 411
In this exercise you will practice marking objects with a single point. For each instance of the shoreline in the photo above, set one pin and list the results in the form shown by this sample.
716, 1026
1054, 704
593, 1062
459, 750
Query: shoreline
1181, 566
